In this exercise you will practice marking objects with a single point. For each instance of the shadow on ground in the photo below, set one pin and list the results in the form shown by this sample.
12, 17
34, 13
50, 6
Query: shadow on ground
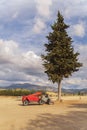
74, 120
78, 105
31, 104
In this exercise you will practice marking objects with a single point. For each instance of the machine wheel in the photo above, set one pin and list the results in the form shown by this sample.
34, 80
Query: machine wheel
26, 102
41, 102
50, 102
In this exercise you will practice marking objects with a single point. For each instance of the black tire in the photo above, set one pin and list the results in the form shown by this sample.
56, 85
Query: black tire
50, 102
26, 102
41, 102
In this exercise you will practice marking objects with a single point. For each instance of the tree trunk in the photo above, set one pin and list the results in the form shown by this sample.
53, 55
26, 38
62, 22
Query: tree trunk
59, 90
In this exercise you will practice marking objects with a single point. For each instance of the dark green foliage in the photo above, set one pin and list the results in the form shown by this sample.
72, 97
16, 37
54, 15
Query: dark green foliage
20, 92
60, 61
14, 92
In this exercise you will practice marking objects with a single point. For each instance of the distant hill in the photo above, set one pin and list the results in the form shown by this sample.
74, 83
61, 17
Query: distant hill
48, 88
29, 87
74, 91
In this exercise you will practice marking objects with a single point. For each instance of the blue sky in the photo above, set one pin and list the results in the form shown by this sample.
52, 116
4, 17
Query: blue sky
24, 25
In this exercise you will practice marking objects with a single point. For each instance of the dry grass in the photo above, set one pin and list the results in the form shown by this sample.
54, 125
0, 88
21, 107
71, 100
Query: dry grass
70, 114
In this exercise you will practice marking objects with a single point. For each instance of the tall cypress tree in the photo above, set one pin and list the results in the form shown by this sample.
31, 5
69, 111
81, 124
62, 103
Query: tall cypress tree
60, 61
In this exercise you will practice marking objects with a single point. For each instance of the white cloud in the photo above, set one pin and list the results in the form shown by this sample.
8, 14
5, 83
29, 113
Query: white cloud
79, 79
8, 47
43, 13
15, 9
22, 20
82, 48
7, 51
43, 7
78, 29
17, 65
15, 15
74, 8
75, 82
39, 26
13, 53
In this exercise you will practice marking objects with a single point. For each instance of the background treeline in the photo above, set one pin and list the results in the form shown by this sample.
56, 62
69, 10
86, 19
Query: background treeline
21, 92
16, 92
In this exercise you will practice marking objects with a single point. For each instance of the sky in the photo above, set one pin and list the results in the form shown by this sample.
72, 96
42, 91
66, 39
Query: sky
24, 25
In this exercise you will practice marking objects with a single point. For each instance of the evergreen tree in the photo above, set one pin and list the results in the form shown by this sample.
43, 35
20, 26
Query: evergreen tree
60, 61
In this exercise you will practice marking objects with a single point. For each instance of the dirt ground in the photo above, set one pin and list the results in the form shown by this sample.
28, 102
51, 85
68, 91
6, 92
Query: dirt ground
70, 114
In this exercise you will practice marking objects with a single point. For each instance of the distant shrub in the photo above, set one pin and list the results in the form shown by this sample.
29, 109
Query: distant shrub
17, 92
14, 92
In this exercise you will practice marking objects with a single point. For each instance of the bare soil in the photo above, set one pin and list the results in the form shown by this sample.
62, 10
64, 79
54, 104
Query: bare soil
70, 114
